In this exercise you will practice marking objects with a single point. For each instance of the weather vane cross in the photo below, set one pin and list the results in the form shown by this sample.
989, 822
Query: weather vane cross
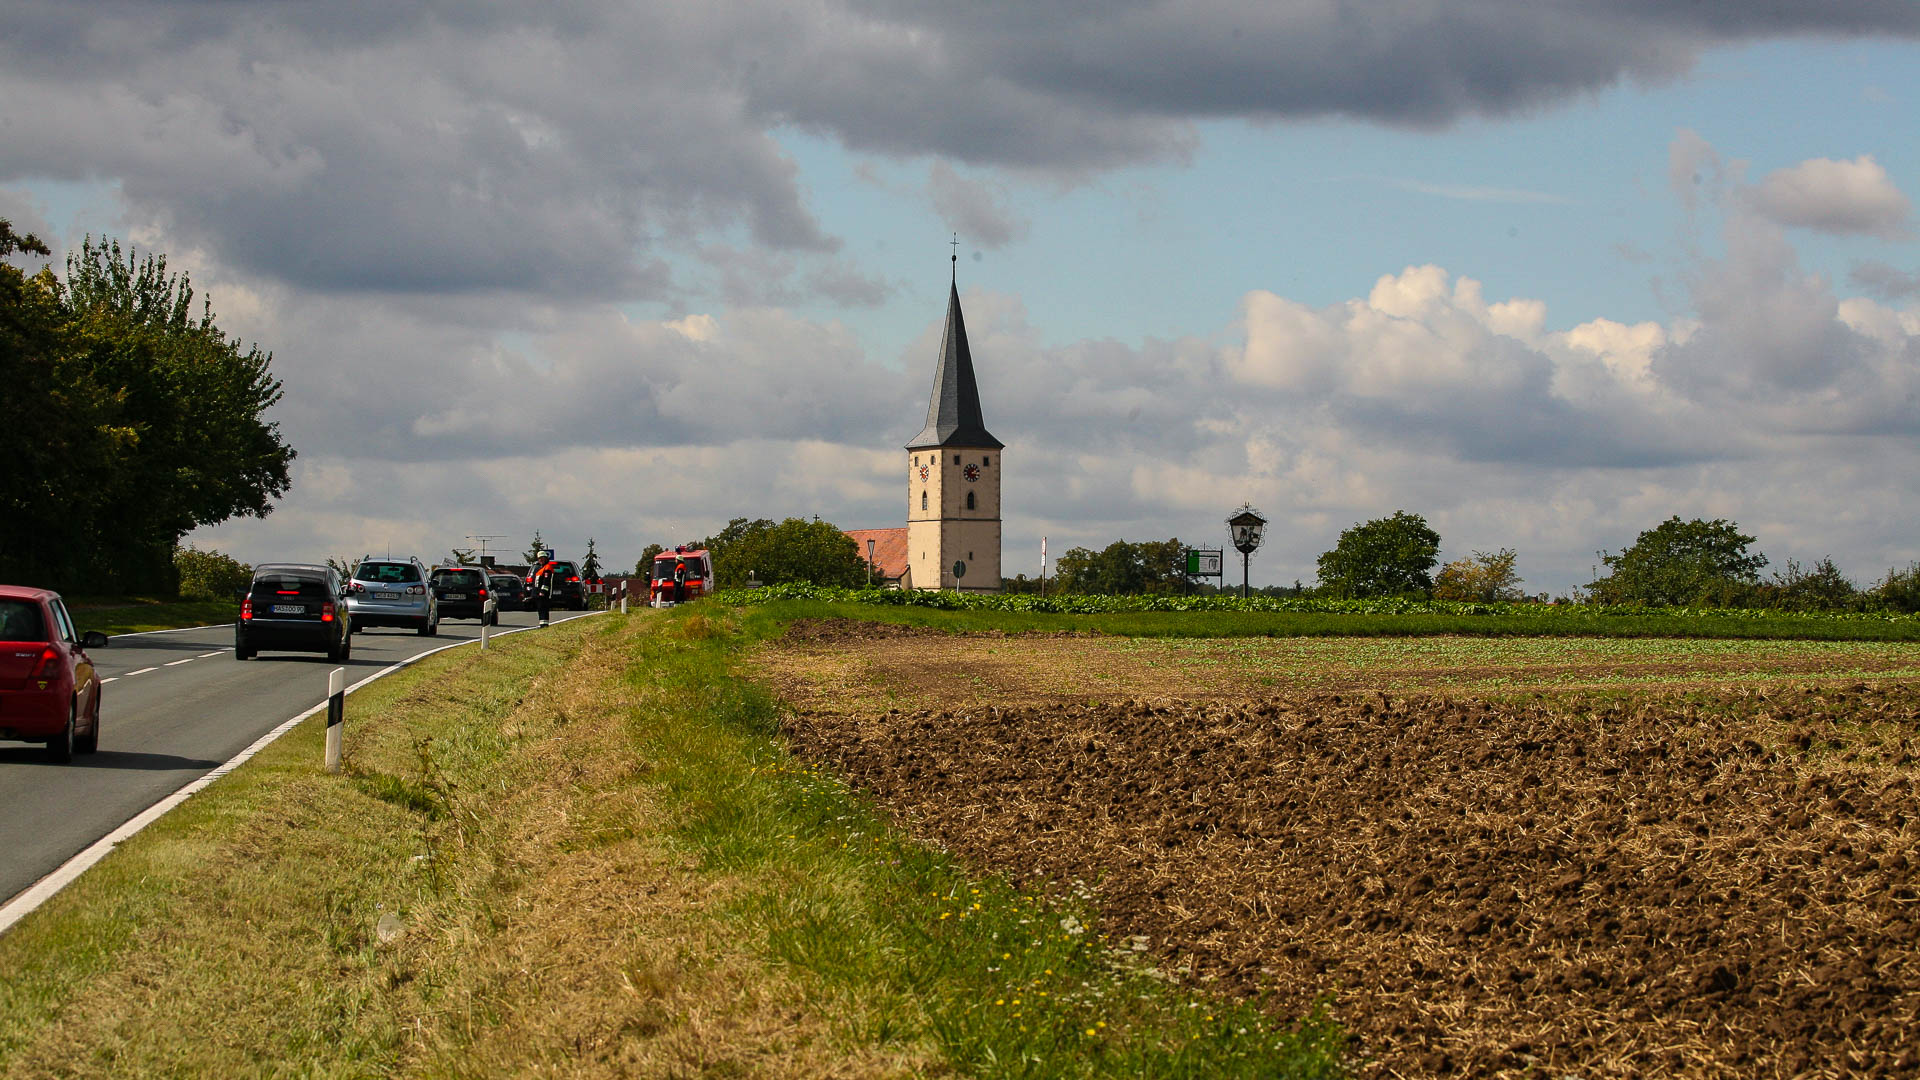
956, 255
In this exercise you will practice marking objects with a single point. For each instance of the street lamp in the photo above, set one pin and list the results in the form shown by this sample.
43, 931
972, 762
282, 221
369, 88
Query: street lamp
1246, 527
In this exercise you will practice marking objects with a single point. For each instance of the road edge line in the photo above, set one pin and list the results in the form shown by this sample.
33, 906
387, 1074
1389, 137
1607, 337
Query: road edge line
23, 903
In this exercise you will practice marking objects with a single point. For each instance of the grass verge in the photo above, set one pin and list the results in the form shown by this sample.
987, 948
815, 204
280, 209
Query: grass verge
584, 852
134, 615
1227, 624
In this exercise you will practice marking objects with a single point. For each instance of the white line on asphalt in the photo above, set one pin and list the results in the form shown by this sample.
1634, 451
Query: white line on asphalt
142, 671
177, 663
108, 679
41, 891
215, 652
176, 630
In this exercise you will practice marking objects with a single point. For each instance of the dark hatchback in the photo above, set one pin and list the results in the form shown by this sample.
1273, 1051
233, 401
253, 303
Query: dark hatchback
293, 607
462, 593
509, 592
567, 592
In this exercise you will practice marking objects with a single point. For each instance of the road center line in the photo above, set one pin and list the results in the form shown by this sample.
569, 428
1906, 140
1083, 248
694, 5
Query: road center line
177, 663
215, 652
142, 671
108, 679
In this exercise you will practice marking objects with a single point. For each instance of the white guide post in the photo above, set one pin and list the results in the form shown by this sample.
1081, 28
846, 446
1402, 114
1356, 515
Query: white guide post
336, 715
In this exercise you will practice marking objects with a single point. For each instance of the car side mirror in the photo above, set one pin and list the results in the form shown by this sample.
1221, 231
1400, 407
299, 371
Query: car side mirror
93, 639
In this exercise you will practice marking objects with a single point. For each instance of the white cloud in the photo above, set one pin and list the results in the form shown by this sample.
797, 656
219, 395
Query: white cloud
1836, 197
975, 209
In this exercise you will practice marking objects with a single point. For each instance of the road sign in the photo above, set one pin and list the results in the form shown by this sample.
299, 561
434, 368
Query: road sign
1202, 562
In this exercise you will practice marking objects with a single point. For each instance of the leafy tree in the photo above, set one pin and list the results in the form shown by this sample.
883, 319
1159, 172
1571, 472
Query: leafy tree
210, 575
590, 562
794, 550
342, 566
1680, 563
534, 548
644, 568
1821, 587
720, 544
1899, 590
1382, 557
1124, 569
1487, 578
464, 557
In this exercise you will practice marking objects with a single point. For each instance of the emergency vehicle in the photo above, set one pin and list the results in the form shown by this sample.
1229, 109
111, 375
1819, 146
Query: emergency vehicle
667, 590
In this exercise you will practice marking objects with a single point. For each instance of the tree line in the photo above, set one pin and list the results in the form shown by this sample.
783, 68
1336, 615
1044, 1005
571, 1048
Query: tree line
136, 421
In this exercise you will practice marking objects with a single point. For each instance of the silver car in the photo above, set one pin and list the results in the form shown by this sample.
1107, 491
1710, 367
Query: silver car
392, 592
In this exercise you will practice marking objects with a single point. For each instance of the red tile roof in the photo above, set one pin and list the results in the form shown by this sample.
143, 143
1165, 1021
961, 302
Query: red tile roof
889, 550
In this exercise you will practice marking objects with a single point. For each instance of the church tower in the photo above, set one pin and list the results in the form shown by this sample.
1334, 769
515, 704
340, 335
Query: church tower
953, 477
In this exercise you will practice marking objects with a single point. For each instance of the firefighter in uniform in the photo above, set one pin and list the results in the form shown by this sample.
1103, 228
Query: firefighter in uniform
543, 590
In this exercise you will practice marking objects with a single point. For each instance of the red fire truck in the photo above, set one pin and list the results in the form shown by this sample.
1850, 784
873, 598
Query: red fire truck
680, 575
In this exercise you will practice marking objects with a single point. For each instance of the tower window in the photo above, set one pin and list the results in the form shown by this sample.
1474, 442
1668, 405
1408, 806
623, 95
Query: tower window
956, 459
969, 500
923, 500
916, 459
986, 460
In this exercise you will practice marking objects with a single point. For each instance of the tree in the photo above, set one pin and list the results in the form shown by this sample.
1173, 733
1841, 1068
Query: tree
1487, 578
794, 550
210, 575
590, 562
644, 568
1819, 588
721, 544
1679, 563
463, 557
1124, 569
1382, 557
534, 549
156, 425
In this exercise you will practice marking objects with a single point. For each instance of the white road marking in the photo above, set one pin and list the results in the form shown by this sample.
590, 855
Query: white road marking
108, 679
142, 671
177, 663
215, 652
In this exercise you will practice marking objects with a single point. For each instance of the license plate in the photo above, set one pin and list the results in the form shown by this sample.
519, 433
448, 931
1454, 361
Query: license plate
454, 596
389, 595
289, 609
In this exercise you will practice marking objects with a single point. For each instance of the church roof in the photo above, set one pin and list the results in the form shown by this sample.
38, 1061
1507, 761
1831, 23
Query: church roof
889, 550
953, 416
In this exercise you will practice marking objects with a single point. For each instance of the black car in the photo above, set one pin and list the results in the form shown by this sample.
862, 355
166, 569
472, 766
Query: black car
509, 592
293, 607
568, 592
462, 593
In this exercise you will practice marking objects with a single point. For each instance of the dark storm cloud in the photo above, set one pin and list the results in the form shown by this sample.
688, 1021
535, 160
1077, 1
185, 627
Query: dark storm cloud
449, 147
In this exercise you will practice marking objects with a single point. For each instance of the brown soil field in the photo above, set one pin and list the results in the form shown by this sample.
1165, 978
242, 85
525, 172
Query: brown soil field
1706, 871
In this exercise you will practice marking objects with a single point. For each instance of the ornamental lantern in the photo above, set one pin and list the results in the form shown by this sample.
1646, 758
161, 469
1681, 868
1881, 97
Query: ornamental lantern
1246, 526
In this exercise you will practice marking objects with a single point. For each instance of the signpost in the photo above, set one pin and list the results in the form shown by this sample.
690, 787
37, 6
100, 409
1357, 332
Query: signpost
1246, 527
1202, 563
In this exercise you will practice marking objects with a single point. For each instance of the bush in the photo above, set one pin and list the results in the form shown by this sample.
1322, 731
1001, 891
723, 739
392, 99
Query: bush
209, 575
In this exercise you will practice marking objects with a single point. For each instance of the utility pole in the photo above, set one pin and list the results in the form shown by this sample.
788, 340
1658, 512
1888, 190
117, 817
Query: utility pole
483, 544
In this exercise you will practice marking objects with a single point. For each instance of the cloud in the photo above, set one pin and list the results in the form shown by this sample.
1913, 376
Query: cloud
1836, 197
1884, 281
973, 208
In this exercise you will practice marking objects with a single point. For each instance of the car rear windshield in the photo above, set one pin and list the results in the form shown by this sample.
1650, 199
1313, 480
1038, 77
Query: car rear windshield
388, 573
564, 569
464, 579
285, 584
508, 583
20, 621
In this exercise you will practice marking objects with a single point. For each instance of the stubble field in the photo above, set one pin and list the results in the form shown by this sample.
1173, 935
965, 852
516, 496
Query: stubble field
1503, 857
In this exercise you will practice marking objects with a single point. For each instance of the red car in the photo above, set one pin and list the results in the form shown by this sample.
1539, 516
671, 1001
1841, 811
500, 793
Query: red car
48, 689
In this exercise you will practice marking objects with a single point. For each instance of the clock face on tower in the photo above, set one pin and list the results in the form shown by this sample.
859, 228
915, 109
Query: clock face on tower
973, 472
923, 472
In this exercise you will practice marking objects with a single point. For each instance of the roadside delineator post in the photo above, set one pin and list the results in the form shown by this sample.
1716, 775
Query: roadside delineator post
486, 631
623, 603
336, 715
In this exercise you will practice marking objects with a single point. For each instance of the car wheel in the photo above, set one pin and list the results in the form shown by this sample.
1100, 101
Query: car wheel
90, 742
429, 629
241, 652
336, 651
60, 747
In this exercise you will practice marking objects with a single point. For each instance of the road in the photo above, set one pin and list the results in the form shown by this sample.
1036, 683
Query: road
174, 706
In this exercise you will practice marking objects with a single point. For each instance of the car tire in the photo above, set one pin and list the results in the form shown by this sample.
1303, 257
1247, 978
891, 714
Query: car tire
429, 629
60, 747
90, 742
336, 651
241, 652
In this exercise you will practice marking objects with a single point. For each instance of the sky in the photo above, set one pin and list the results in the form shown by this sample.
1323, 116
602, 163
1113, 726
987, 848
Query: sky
1544, 272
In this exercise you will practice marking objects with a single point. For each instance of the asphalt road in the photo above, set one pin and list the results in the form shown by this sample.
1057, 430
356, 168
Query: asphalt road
174, 706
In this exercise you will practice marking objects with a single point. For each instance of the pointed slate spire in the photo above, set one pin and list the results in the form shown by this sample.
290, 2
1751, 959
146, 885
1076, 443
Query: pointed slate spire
953, 416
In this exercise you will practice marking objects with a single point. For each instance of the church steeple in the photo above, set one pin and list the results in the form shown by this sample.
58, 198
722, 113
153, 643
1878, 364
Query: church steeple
953, 416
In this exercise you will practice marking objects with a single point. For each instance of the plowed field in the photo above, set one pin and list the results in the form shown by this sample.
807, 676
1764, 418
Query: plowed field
1714, 872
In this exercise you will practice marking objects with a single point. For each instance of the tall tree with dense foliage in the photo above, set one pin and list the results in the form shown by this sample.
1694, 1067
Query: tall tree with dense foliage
590, 562
1383, 557
1124, 569
794, 550
154, 427
1680, 563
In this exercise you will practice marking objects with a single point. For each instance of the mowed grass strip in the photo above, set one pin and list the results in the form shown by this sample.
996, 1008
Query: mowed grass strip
1569, 622
134, 615
586, 853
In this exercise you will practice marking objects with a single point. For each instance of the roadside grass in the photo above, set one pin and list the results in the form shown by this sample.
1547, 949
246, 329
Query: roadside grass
133, 615
585, 852
1217, 624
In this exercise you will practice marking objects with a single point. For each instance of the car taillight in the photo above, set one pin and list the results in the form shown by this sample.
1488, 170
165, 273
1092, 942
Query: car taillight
326, 611
573, 579
416, 590
43, 667
246, 606
483, 594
